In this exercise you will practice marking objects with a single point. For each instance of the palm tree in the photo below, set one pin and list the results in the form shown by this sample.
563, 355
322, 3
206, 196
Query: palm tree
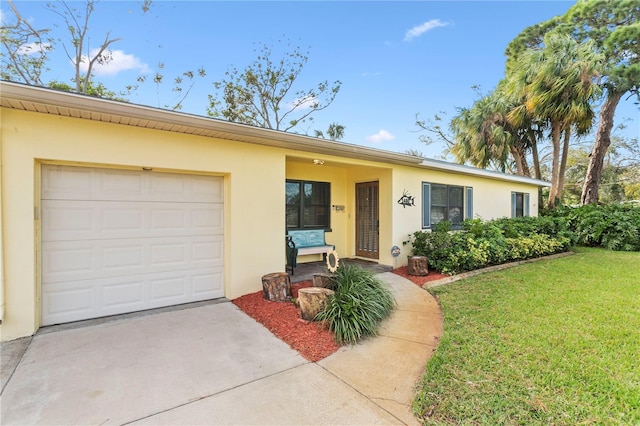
558, 84
335, 131
614, 27
485, 134
480, 138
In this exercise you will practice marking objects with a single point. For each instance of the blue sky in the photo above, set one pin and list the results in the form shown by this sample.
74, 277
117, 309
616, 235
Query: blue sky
394, 59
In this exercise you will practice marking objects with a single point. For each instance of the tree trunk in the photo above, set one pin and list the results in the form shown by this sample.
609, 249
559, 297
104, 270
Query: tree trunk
312, 301
417, 265
324, 280
563, 162
556, 133
276, 287
537, 171
603, 140
518, 154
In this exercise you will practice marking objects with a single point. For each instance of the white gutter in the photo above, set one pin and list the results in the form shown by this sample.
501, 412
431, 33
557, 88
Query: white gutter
468, 170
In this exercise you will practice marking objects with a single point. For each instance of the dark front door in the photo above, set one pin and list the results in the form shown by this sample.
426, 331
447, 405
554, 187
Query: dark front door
367, 221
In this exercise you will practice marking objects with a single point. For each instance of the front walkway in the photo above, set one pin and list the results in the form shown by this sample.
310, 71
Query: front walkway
212, 364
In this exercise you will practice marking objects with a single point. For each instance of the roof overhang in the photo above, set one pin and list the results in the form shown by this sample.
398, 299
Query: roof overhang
48, 101
468, 170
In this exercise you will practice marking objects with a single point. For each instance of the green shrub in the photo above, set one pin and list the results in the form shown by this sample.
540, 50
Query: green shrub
480, 244
614, 226
535, 246
360, 303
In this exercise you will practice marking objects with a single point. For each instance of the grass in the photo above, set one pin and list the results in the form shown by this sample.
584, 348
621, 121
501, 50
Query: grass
551, 342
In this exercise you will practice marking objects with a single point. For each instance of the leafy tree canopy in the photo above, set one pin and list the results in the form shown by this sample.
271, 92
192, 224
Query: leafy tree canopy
262, 94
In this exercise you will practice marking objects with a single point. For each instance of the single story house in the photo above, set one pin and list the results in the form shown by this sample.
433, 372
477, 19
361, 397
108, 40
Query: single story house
109, 207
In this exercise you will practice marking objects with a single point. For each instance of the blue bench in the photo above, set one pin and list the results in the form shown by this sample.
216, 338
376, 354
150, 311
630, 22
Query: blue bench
304, 242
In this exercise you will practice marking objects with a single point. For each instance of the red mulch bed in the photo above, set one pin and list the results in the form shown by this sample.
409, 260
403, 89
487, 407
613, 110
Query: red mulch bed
419, 281
283, 319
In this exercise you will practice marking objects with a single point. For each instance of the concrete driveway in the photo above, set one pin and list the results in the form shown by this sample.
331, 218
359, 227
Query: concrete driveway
212, 364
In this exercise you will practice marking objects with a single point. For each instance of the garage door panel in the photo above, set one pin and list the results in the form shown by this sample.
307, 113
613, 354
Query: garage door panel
59, 218
73, 300
70, 260
83, 260
67, 220
207, 219
204, 190
208, 252
83, 183
168, 288
71, 183
122, 258
169, 254
123, 296
208, 285
116, 219
116, 241
69, 299
112, 184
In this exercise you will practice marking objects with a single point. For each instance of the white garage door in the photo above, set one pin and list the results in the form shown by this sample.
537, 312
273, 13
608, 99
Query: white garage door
116, 241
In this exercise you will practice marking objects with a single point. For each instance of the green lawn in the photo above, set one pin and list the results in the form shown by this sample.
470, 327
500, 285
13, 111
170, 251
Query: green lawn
550, 342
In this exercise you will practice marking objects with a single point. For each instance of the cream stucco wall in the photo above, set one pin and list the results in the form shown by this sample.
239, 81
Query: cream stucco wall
491, 198
254, 217
344, 175
254, 176
335, 174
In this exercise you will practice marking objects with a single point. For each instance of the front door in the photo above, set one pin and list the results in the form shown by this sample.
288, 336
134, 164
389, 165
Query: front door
367, 220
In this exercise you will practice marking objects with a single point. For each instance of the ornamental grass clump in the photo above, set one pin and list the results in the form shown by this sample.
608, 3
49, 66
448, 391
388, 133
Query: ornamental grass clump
360, 303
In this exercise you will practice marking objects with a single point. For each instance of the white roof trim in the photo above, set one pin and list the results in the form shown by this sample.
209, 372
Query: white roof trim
468, 170
45, 100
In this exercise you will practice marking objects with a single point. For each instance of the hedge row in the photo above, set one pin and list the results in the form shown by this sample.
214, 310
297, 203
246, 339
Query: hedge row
614, 226
479, 244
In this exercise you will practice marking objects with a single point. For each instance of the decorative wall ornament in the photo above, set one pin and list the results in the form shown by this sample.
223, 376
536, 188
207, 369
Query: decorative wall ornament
407, 200
333, 261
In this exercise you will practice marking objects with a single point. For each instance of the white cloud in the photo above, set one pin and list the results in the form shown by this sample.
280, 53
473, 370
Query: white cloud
371, 74
381, 136
418, 30
118, 62
33, 48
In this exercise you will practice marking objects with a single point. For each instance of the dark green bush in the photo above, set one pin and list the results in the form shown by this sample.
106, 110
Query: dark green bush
614, 226
360, 303
480, 244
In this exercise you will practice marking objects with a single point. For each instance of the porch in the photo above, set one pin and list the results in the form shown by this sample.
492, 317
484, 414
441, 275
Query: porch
305, 271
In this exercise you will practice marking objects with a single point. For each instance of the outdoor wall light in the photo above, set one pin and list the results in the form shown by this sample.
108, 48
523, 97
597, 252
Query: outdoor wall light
318, 162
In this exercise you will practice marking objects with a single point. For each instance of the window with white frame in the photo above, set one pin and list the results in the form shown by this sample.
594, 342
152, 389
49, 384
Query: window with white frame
446, 202
519, 204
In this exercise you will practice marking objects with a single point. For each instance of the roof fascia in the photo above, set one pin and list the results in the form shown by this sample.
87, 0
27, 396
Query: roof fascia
233, 131
468, 170
20, 93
